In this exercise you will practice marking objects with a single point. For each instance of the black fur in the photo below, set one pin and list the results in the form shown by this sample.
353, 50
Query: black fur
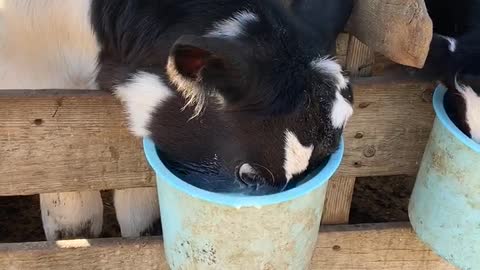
330, 21
264, 76
459, 20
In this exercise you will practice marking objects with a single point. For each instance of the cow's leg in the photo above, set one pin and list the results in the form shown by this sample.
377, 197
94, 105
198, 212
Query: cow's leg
70, 215
137, 211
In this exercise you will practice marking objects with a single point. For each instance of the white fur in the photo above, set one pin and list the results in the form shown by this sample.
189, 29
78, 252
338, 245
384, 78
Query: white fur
47, 44
137, 209
191, 90
342, 110
297, 156
453, 43
70, 213
50, 44
141, 95
233, 26
332, 69
472, 102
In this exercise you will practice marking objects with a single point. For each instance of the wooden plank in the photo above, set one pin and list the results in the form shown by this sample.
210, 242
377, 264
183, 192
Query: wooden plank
399, 29
391, 246
91, 254
358, 62
360, 58
53, 142
341, 49
390, 127
338, 200
77, 140
349, 247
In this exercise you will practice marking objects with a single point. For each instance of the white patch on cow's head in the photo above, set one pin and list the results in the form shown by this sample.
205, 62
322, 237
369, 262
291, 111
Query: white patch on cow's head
452, 43
233, 26
472, 114
331, 68
297, 156
141, 95
342, 110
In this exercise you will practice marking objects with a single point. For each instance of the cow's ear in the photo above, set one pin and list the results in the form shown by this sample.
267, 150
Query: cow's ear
205, 66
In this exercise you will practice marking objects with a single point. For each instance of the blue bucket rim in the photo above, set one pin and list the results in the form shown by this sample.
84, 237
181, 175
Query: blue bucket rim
441, 115
231, 200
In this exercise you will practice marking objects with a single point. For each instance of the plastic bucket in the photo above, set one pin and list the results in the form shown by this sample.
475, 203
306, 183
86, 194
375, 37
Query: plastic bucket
445, 204
205, 230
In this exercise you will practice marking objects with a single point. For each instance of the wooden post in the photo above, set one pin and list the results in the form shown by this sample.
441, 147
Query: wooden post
399, 29
359, 60
338, 201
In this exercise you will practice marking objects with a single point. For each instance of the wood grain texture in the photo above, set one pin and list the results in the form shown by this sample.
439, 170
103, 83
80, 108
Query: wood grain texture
66, 142
360, 58
390, 127
341, 49
91, 254
53, 141
338, 200
346, 247
358, 62
391, 246
399, 29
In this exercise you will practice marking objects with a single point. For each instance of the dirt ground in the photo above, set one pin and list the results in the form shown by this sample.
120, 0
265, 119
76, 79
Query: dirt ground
381, 199
376, 199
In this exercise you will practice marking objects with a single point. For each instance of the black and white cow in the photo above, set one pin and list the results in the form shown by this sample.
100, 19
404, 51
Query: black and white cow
455, 58
241, 95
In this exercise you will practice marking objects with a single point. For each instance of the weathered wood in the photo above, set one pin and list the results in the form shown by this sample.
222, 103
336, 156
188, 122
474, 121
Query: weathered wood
391, 246
390, 127
341, 48
366, 247
77, 140
399, 29
338, 200
62, 141
91, 254
359, 60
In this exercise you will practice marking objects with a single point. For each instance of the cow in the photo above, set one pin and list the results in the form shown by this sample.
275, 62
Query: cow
239, 96
454, 59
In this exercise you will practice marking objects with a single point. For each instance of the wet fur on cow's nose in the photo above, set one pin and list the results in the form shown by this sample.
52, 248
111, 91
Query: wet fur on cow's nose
212, 175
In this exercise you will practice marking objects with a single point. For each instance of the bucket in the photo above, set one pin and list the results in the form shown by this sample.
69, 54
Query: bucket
444, 207
206, 230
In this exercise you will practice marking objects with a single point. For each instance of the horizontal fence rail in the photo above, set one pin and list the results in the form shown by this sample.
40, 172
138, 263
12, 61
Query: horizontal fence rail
391, 246
71, 140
